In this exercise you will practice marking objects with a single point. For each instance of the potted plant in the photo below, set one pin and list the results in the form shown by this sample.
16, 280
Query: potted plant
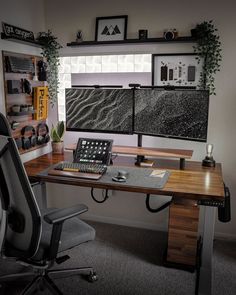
208, 48
51, 48
57, 133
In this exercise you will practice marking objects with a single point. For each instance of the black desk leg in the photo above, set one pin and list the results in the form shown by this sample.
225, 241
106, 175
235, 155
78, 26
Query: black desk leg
181, 163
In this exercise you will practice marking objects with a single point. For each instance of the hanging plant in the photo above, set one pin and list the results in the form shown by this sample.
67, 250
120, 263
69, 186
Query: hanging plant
51, 48
208, 48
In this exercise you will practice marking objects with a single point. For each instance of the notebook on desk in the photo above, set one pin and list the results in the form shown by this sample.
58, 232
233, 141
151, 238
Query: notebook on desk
91, 158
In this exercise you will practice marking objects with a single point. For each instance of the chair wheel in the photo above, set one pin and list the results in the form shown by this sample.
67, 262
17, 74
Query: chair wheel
92, 277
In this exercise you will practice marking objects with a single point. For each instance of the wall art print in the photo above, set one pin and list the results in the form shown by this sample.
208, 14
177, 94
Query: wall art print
111, 28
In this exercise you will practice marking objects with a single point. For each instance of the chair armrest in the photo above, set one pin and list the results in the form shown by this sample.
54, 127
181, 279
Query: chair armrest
56, 218
60, 215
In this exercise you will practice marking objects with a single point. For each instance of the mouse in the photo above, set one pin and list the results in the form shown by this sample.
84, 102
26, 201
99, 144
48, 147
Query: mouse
121, 176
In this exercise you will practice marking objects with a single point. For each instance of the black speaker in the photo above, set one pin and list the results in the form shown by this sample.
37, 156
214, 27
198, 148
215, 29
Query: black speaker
224, 213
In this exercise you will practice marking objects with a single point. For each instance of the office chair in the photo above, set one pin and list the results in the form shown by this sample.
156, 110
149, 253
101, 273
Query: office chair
30, 237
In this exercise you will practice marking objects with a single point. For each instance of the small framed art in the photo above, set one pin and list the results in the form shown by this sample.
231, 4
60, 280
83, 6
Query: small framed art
111, 28
177, 70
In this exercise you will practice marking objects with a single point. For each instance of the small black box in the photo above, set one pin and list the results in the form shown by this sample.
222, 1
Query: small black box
143, 34
14, 86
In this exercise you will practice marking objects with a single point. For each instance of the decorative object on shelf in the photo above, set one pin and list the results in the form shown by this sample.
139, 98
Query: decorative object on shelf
35, 77
24, 108
42, 73
15, 108
28, 137
16, 64
14, 86
111, 28
208, 48
42, 132
16, 32
57, 133
143, 34
14, 125
79, 36
170, 34
51, 48
27, 87
40, 95
30, 108
209, 161
178, 70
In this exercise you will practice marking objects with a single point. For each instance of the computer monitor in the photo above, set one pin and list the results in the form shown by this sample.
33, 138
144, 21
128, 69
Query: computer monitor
99, 110
181, 114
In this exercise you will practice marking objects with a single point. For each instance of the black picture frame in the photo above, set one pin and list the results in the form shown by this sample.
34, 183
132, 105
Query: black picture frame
178, 70
111, 28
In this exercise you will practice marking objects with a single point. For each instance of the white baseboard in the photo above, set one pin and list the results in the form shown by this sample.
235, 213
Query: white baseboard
225, 236
151, 226
124, 222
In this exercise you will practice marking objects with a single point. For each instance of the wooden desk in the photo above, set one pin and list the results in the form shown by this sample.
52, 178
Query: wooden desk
187, 187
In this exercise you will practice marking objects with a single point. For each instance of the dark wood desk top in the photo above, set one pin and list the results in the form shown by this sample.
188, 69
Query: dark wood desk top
194, 182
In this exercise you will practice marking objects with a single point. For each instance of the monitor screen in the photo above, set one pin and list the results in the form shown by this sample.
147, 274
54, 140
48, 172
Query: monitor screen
99, 110
181, 114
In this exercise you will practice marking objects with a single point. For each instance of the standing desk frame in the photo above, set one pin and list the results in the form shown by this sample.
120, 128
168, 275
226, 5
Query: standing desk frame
193, 184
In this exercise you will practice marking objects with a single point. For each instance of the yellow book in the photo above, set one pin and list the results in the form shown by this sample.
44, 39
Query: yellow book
40, 95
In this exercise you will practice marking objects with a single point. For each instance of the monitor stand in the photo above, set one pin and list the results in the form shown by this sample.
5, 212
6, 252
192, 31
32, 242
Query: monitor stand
140, 158
181, 154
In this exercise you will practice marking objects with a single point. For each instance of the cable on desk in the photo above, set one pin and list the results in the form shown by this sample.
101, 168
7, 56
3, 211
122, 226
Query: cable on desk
104, 197
156, 209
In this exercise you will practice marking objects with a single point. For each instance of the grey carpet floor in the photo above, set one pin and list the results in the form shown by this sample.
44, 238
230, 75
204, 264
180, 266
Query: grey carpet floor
128, 261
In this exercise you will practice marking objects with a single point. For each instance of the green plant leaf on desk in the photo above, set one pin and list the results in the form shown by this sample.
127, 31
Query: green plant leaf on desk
60, 128
55, 137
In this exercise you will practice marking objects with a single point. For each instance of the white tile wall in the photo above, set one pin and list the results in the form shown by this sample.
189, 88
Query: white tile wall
126, 63
78, 64
97, 64
93, 64
109, 63
65, 65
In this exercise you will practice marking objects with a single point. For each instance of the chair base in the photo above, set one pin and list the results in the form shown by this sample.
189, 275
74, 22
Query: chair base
41, 279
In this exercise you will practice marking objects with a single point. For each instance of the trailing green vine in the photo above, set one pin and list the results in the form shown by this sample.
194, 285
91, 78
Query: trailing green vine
208, 48
51, 48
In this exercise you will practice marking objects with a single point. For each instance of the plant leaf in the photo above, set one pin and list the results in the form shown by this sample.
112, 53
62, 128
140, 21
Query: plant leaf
60, 128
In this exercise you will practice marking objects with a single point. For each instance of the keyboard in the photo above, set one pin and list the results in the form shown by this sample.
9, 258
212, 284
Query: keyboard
19, 65
81, 167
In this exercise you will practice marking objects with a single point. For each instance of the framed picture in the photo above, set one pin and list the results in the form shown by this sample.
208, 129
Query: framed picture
111, 28
177, 70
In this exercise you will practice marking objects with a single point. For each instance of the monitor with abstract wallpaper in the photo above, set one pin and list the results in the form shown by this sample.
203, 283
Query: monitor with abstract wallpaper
99, 110
180, 114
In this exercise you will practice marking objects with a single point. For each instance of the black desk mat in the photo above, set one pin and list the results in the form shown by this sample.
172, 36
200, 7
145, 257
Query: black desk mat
138, 177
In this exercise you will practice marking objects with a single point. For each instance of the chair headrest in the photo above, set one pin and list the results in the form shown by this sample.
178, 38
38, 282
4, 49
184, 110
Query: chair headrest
4, 126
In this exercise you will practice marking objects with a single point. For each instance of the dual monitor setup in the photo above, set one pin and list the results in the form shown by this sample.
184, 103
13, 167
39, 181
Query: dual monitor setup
148, 110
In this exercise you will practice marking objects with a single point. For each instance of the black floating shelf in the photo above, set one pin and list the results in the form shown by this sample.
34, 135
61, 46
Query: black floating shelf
28, 42
21, 113
132, 41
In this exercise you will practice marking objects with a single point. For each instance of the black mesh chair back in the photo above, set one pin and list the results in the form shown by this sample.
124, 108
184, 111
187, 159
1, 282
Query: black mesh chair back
20, 215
